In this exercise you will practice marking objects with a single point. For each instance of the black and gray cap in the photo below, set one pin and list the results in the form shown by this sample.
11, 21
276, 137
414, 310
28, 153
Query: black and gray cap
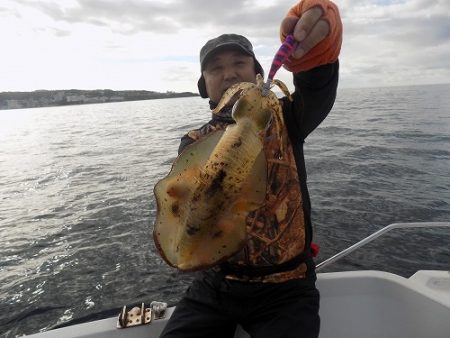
224, 42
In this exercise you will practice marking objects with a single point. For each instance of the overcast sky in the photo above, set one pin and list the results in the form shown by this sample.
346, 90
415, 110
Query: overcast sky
154, 44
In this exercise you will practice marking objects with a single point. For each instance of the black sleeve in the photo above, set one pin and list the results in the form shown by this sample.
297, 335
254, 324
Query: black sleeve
315, 92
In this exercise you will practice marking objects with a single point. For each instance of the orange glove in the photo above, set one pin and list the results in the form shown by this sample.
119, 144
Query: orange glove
326, 50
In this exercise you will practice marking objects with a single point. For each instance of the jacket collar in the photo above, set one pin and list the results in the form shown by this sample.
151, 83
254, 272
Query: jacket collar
224, 115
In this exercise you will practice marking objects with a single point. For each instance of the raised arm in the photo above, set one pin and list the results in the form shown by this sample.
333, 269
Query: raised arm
317, 27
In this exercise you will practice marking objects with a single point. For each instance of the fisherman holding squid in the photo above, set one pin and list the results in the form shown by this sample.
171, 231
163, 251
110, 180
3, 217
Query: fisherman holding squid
235, 206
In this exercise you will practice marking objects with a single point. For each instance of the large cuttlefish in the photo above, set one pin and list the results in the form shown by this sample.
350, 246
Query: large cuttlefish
203, 203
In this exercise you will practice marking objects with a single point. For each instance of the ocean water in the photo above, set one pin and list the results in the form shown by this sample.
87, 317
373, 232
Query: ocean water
77, 205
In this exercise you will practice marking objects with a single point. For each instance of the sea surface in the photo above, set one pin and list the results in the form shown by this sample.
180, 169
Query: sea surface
77, 205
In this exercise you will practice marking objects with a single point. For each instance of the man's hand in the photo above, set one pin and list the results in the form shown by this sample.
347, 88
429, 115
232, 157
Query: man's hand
308, 30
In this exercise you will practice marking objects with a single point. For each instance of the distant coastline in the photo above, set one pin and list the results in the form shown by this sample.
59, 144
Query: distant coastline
49, 98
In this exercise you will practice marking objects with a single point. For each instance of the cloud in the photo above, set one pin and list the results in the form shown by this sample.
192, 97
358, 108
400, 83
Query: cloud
133, 16
412, 21
386, 42
126, 17
393, 42
422, 32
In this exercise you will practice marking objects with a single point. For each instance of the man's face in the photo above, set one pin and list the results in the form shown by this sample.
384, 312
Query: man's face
225, 69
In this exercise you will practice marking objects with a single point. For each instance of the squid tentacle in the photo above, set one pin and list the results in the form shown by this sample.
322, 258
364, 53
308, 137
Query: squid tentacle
283, 88
242, 86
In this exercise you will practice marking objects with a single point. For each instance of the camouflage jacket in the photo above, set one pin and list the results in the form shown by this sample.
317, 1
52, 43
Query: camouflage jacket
281, 231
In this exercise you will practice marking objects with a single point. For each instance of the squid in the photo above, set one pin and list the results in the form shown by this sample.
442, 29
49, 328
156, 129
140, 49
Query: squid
203, 203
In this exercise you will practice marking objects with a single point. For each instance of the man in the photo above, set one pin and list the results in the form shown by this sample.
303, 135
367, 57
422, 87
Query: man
269, 287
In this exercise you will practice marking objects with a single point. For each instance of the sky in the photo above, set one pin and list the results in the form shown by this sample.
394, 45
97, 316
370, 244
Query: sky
154, 44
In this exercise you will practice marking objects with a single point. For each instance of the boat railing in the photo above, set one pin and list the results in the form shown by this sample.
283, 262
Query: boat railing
377, 234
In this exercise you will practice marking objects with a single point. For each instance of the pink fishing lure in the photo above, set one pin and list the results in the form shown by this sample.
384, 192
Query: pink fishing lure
286, 48
282, 54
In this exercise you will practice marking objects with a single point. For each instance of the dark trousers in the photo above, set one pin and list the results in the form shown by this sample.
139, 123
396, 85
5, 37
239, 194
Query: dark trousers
213, 306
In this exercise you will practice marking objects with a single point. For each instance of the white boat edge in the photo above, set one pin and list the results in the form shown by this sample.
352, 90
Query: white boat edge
353, 304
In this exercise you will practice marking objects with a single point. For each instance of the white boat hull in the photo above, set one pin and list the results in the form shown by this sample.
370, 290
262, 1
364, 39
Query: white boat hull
353, 304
